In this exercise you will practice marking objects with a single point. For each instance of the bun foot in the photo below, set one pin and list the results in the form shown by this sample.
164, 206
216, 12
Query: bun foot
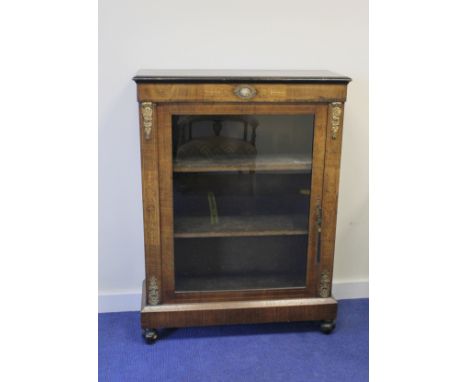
150, 336
327, 326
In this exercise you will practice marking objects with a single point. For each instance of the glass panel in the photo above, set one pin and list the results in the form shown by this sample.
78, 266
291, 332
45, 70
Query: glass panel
241, 201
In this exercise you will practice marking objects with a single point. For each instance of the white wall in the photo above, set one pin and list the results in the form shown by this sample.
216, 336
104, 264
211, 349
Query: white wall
215, 34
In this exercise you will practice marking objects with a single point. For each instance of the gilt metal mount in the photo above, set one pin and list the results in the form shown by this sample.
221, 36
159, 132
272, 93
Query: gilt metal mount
325, 284
153, 291
147, 113
337, 111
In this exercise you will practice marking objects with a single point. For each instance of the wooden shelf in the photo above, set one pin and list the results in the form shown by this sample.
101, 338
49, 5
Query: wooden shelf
237, 226
260, 163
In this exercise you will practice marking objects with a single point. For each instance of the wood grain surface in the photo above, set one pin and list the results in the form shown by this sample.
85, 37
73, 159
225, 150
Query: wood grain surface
226, 93
187, 308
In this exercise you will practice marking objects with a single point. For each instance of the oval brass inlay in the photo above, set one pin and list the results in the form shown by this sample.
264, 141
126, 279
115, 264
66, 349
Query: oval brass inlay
245, 91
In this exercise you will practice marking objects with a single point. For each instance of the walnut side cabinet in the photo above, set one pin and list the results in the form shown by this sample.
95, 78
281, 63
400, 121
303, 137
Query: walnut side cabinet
240, 173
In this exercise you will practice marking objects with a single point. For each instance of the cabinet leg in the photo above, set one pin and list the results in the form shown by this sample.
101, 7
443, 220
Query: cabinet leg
327, 326
150, 335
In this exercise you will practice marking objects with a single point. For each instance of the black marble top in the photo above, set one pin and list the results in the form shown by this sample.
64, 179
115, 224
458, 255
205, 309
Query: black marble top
238, 76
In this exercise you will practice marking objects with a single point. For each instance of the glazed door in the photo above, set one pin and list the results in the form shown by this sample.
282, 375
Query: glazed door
240, 199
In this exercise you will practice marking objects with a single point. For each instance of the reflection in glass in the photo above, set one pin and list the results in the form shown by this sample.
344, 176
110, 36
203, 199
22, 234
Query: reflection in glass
241, 201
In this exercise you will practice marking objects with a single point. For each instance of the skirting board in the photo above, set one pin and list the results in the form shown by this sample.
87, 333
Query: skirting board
124, 301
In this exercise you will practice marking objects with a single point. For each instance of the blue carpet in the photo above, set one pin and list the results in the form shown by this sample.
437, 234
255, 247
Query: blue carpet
267, 352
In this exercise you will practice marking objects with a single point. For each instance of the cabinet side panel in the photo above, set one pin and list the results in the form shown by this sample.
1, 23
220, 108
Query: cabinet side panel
166, 200
150, 175
320, 132
330, 195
